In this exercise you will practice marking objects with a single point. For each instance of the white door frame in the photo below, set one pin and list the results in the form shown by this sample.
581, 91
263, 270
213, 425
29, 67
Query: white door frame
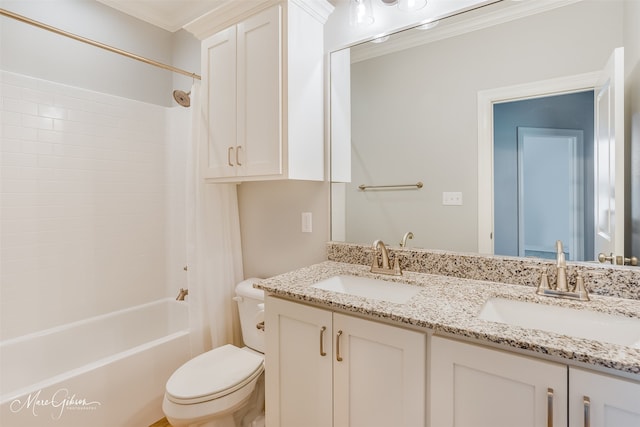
486, 99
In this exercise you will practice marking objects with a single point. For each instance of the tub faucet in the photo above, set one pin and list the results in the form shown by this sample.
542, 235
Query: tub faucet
181, 294
385, 268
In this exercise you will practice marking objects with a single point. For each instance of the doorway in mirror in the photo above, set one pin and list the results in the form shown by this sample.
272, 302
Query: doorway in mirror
543, 175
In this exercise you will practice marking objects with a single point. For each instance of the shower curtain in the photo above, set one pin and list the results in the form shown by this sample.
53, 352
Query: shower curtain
214, 254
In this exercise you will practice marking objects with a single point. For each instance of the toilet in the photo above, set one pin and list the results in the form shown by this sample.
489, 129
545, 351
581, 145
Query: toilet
223, 387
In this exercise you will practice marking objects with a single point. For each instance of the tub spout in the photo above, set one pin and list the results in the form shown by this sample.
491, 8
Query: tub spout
181, 294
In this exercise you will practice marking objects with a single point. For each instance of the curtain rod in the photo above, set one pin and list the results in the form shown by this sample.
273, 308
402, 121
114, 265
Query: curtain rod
96, 44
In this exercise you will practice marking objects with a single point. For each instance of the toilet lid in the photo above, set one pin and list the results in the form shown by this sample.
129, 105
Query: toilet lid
213, 374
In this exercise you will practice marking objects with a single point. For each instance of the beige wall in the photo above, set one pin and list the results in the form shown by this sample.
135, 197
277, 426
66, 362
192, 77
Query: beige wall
270, 221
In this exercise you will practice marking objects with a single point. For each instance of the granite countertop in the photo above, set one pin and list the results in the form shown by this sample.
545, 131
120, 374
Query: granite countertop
451, 305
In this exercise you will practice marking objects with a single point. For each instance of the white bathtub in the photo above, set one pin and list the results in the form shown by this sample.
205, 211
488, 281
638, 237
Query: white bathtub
107, 371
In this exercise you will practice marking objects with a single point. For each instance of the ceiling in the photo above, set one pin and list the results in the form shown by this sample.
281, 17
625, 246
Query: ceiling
170, 15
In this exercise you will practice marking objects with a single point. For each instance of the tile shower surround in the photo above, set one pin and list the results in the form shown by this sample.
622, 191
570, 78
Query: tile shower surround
600, 279
83, 196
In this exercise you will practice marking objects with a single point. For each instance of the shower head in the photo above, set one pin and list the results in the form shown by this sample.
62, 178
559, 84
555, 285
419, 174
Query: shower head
182, 97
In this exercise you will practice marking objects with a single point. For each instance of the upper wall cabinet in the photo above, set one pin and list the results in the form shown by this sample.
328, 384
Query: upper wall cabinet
263, 96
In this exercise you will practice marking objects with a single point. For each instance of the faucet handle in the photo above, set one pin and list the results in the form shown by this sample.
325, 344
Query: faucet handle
397, 271
581, 289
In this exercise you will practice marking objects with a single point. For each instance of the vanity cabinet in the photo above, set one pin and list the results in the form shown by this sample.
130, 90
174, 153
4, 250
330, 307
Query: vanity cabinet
599, 400
263, 96
475, 386
329, 369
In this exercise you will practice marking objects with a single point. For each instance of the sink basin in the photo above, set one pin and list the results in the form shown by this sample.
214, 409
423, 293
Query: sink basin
563, 320
381, 290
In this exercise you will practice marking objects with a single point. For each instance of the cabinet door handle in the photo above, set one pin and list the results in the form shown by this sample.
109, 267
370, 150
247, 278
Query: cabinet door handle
322, 352
238, 148
338, 357
587, 411
229, 156
549, 407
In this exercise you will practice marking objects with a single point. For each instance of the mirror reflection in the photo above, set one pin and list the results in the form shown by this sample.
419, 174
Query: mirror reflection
408, 110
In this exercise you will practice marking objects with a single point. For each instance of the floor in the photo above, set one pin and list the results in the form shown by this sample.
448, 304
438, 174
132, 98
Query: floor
161, 423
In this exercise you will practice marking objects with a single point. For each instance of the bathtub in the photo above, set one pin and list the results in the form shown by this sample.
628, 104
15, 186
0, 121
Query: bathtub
108, 370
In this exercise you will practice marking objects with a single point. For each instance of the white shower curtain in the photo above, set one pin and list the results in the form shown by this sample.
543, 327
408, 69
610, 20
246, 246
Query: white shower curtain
214, 254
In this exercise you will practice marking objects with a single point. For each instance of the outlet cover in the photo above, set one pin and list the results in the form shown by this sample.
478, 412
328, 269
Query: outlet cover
452, 198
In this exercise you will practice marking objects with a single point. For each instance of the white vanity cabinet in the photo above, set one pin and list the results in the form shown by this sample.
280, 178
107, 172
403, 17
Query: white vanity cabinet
474, 386
263, 96
330, 369
599, 400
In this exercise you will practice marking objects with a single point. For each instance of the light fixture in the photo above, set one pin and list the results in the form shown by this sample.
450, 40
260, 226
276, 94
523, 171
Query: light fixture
428, 25
380, 39
360, 13
411, 5
406, 5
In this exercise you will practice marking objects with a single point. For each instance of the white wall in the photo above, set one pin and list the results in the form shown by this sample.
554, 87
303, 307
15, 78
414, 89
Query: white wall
32, 51
426, 97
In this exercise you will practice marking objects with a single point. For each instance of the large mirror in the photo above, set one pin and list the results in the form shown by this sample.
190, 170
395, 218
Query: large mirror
410, 110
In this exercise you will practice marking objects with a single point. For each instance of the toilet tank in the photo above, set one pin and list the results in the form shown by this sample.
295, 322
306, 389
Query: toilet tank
251, 310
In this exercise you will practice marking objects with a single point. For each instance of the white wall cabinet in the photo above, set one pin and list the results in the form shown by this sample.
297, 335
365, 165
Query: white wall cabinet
330, 369
474, 386
263, 96
599, 400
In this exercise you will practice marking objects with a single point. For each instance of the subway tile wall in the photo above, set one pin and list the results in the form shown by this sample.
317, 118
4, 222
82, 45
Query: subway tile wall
82, 204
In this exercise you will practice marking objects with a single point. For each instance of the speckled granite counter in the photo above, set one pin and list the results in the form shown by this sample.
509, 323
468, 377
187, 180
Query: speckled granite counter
451, 305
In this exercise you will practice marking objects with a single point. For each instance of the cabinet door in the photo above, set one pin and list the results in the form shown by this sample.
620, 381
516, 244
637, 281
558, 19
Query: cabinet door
598, 400
218, 153
473, 386
379, 374
259, 146
298, 365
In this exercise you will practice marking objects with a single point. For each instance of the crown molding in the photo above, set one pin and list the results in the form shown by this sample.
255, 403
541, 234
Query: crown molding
500, 12
234, 11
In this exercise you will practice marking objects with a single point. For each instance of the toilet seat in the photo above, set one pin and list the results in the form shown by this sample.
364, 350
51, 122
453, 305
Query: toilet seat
213, 375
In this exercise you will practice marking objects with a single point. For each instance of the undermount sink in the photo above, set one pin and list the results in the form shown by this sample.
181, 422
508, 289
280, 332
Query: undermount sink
381, 290
586, 324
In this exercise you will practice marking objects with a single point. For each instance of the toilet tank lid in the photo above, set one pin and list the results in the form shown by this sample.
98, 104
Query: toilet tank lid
246, 289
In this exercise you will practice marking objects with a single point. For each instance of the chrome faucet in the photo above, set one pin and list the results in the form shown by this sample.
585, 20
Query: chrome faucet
181, 294
561, 289
407, 235
385, 267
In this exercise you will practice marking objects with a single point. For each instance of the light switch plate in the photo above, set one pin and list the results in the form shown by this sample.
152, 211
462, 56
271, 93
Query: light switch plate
307, 222
452, 198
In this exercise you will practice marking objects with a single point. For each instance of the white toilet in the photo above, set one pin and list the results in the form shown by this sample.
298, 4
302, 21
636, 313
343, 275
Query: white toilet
223, 387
